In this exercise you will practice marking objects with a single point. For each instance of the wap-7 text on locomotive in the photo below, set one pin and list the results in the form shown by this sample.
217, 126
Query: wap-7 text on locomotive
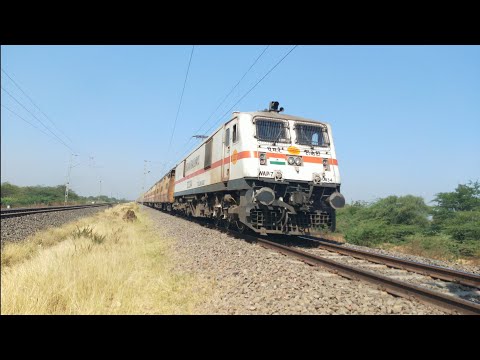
265, 171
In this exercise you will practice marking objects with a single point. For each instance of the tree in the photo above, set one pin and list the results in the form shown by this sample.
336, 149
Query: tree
9, 190
466, 197
400, 210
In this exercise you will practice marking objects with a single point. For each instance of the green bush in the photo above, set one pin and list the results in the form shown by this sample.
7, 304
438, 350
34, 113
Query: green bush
368, 233
463, 226
398, 233
375, 232
7, 200
347, 216
400, 210
385, 220
466, 248
24, 196
439, 246
9, 190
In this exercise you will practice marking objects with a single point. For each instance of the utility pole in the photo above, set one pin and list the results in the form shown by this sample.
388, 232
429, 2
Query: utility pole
67, 184
145, 172
100, 194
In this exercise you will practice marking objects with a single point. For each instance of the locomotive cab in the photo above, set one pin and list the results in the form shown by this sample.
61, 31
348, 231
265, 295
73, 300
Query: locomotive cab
293, 174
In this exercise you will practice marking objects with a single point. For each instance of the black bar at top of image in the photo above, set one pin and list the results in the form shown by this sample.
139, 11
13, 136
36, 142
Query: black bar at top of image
278, 25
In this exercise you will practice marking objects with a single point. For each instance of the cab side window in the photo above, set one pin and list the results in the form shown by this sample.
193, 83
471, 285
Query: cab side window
235, 134
227, 137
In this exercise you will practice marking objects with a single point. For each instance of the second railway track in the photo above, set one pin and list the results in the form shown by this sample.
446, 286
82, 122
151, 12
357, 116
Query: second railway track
9, 213
388, 283
436, 272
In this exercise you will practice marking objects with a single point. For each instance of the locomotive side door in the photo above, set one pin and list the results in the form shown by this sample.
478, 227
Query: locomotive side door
230, 143
226, 152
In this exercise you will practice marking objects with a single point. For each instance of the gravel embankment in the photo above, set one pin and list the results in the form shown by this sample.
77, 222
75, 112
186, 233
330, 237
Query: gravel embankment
249, 279
18, 228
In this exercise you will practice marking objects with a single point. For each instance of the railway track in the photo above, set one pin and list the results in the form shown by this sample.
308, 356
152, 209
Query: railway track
393, 286
29, 211
450, 303
435, 272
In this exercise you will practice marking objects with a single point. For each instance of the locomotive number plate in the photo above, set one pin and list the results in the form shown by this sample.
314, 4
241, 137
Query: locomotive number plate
265, 173
327, 179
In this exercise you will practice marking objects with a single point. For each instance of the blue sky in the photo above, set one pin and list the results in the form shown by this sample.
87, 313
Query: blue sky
405, 119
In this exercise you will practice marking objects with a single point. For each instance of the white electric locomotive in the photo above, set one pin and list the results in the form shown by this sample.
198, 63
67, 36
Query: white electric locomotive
266, 171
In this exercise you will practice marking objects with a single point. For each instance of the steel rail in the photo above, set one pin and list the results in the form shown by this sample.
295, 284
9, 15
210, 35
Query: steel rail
436, 272
46, 207
30, 211
392, 286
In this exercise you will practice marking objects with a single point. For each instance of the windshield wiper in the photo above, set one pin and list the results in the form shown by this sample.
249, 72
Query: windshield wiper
277, 138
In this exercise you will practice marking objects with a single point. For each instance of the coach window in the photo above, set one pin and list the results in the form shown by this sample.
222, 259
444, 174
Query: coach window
235, 134
227, 137
208, 154
184, 170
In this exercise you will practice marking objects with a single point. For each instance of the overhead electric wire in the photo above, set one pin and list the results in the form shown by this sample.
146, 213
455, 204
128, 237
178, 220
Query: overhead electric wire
55, 136
181, 98
254, 86
29, 98
41, 122
228, 94
239, 81
28, 122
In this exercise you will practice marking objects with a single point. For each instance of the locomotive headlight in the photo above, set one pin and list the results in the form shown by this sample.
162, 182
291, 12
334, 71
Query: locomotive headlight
265, 196
263, 159
336, 200
291, 160
298, 161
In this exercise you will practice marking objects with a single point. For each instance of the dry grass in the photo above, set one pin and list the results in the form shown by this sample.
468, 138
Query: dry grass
417, 248
97, 265
334, 237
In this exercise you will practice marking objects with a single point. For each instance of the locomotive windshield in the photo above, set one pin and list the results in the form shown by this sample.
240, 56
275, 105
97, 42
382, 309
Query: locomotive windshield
275, 131
312, 135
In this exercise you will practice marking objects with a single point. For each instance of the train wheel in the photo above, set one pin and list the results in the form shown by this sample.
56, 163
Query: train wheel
226, 224
240, 227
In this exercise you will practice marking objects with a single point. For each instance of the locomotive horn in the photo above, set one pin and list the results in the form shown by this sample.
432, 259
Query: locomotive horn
274, 107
